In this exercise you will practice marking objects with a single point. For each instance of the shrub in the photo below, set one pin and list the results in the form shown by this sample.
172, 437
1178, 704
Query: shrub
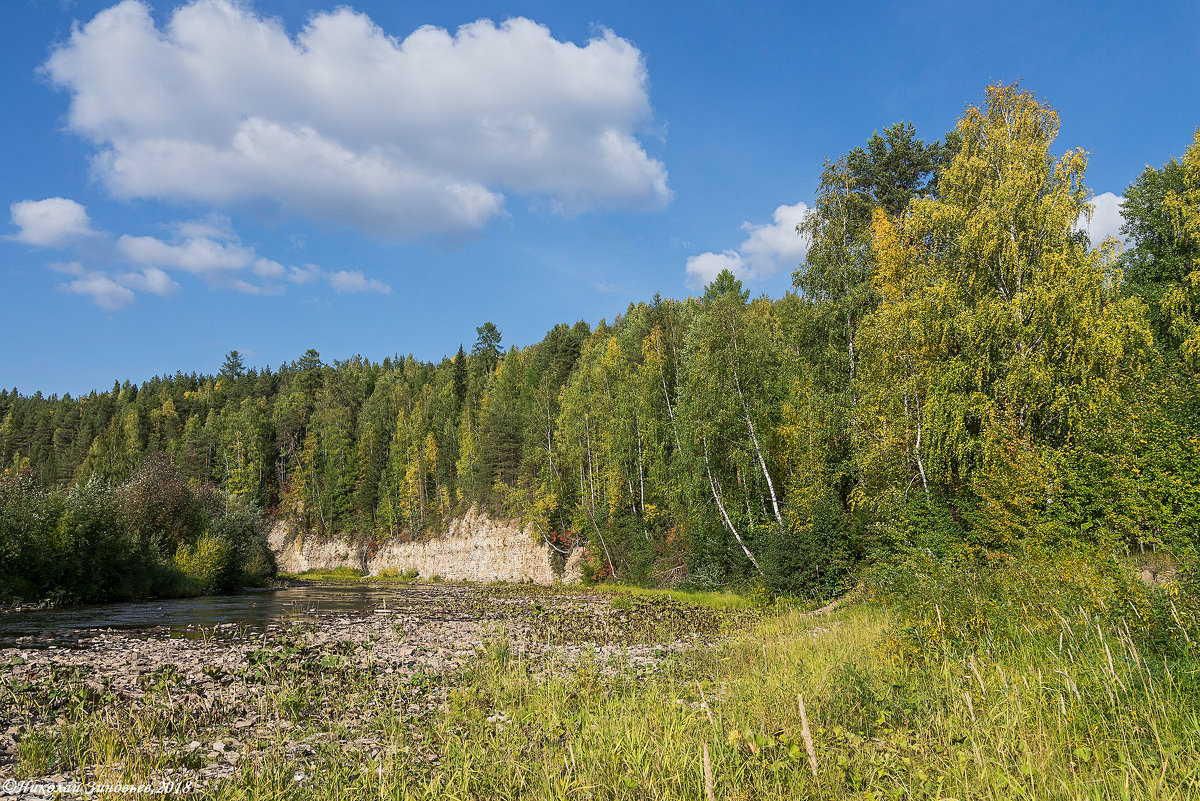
159, 508
209, 565
814, 560
152, 535
342, 572
408, 574
244, 528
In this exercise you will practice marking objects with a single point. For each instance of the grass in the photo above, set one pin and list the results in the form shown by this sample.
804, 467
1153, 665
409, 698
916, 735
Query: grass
725, 600
1027, 723
332, 574
350, 575
1090, 707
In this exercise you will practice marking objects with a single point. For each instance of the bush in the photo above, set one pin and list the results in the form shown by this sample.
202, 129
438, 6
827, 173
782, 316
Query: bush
814, 560
244, 528
343, 572
68, 546
209, 565
408, 574
159, 508
96, 557
152, 535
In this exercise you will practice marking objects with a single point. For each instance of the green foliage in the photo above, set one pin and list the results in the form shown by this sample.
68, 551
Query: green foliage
233, 367
159, 509
151, 535
332, 574
487, 346
896, 167
1160, 255
406, 575
817, 559
208, 565
1181, 299
1000, 334
244, 529
725, 285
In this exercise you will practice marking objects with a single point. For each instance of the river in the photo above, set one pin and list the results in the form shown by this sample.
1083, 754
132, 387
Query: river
251, 610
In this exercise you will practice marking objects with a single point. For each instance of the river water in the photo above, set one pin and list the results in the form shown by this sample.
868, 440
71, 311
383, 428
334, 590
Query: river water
184, 616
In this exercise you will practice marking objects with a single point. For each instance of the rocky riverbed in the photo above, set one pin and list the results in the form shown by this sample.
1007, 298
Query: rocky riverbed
176, 709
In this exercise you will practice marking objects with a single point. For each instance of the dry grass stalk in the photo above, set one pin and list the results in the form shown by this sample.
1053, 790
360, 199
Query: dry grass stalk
975, 670
704, 705
708, 776
806, 735
1178, 622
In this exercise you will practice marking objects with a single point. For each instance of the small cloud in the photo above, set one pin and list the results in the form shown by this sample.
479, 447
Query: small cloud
304, 275
768, 247
208, 248
605, 286
53, 222
152, 280
1106, 219
214, 226
343, 281
211, 250
348, 281
702, 269
102, 289
247, 288
202, 256
66, 267
265, 268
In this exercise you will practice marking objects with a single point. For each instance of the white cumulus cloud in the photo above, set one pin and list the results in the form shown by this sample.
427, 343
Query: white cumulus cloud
1106, 218
768, 248
52, 222
202, 256
152, 280
346, 124
115, 290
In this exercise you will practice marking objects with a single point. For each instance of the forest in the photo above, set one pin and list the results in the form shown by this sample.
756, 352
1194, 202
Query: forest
957, 373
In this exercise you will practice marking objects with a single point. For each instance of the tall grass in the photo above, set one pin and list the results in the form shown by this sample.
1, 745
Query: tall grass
892, 699
1093, 718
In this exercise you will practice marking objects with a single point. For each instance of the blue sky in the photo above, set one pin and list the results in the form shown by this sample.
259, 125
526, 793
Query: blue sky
184, 179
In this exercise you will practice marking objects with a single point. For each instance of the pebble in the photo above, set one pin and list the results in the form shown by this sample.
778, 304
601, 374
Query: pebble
436, 631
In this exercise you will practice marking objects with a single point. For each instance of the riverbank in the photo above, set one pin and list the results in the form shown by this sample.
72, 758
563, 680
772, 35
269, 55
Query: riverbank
519, 692
213, 705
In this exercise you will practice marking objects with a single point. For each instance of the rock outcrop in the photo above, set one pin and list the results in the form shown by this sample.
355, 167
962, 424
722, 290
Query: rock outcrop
473, 548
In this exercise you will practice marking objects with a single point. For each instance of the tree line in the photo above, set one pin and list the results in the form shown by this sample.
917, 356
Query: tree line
957, 367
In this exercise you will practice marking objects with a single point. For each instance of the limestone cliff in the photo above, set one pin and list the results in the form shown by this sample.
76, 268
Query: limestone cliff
473, 548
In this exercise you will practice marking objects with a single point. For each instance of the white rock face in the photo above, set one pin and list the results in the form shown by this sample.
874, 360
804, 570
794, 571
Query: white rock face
475, 548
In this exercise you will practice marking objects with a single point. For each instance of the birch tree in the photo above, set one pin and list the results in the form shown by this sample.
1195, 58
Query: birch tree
999, 329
